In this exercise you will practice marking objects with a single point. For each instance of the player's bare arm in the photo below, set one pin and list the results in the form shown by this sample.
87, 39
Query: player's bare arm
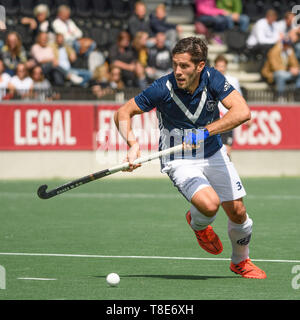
239, 112
123, 122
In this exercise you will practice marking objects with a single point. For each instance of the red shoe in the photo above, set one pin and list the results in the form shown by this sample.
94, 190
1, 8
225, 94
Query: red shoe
248, 270
207, 238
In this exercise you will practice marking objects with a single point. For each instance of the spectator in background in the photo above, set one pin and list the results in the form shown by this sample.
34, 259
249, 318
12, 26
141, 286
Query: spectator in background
40, 22
42, 89
288, 28
44, 55
235, 16
209, 15
21, 84
221, 65
139, 20
159, 58
139, 46
106, 81
122, 56
72, 34
158, 23
66, 55
282, 66
13, 53
4, 80
264, 34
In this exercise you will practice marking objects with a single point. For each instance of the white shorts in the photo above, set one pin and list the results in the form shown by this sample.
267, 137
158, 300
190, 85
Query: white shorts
217, 171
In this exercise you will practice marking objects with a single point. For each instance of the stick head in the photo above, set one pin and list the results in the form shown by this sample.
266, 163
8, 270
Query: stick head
42, 192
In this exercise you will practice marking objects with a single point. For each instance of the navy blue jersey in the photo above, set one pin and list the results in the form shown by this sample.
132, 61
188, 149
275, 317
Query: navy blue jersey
179, 111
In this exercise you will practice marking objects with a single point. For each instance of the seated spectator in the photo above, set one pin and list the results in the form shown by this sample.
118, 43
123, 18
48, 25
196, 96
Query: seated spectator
139, 20
158, 23
42, 89
73, 35
159, 58
282, 66
265, 32
139, 46
106, 81
66, 55
4, 80
44, 55
122, 56
212, 17
40, 22
13, 53
21, 84
235, 16
288, 28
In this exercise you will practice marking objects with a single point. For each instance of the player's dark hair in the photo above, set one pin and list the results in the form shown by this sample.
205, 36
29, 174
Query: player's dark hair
195, 46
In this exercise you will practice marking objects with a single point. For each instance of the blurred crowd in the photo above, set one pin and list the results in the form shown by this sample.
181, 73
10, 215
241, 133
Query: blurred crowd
58, 49
61, 54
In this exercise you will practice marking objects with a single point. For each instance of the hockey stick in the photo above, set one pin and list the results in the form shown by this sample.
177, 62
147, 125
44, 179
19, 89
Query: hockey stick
43, 194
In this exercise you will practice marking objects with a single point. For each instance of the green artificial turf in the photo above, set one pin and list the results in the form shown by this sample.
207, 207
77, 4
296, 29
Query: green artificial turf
137, 228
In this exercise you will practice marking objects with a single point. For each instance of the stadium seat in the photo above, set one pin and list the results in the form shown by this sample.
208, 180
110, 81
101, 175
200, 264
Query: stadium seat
101, 36
102, 8
121, 9
25, 34
11, 7
26, 8
82, 8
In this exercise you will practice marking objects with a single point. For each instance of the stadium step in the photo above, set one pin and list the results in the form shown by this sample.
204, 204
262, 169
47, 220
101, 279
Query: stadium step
246, 76
255, 86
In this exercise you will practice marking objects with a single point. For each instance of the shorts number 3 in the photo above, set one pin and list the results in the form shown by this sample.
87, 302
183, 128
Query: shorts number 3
239, 185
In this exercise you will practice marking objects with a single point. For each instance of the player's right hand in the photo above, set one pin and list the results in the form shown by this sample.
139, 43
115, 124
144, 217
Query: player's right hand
132, 154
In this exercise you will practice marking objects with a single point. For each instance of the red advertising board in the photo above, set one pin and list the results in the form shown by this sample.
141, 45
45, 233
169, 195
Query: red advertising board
46, 127
145, 128
89, 127
275, 127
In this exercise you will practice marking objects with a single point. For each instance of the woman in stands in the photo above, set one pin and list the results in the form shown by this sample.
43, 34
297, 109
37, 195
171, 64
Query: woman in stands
13, 53
21, 84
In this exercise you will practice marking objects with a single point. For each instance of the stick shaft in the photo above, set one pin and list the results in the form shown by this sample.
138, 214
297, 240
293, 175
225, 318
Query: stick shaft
103, 173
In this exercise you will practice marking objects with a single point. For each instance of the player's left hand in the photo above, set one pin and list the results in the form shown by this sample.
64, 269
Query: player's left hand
132, 154
195, 137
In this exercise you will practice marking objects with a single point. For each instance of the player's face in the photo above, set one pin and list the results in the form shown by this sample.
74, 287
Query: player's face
186, 72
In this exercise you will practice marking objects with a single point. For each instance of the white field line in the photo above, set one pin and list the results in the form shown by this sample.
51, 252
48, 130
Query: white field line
122, 195
133, 257
40, 279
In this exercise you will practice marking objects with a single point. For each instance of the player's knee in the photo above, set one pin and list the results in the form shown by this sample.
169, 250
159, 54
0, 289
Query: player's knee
208, 208
212, 209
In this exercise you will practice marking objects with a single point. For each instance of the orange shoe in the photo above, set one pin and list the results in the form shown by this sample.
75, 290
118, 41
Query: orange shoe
248, 270
207, 238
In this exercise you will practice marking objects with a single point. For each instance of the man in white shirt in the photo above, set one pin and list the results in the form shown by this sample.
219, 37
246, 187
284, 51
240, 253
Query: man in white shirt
264, 34
72, 34
265, 31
